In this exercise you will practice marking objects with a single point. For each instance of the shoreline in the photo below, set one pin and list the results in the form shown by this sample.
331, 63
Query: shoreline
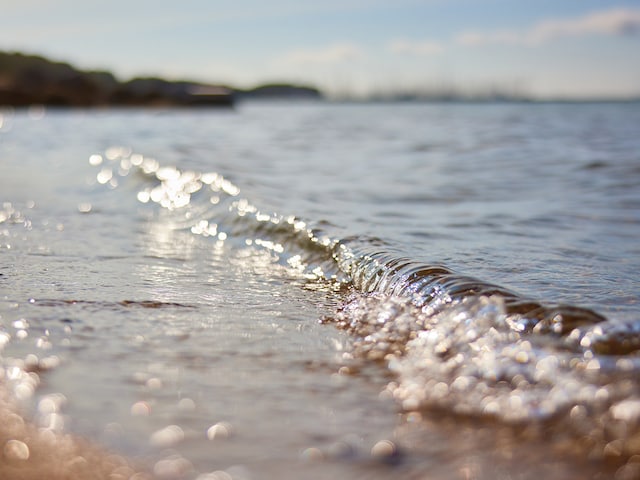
29, 80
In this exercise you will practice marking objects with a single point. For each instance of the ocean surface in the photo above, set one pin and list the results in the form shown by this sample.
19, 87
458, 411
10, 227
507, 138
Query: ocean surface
317, 290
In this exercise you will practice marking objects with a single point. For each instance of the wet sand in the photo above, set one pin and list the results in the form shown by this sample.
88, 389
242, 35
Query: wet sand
32, 453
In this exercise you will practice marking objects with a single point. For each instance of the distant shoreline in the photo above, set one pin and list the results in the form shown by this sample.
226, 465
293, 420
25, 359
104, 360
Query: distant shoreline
28, 80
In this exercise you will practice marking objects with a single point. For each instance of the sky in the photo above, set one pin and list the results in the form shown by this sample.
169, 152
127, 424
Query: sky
541, 48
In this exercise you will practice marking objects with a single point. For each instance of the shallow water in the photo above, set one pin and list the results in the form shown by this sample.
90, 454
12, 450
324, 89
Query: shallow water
358, 291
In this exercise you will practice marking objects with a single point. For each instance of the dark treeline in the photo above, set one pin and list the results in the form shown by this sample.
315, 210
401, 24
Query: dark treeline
34, 80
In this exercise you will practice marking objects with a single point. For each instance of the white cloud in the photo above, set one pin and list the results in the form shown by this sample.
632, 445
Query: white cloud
336, 53
424, 47
610, 22
607, 22
488, 38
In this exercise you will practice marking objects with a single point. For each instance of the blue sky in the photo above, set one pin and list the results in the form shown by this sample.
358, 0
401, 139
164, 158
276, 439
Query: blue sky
542, 48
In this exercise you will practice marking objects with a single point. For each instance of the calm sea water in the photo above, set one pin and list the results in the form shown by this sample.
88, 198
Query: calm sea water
324, 291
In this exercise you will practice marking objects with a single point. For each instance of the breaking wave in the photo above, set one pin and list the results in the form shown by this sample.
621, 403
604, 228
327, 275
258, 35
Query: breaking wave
453, 343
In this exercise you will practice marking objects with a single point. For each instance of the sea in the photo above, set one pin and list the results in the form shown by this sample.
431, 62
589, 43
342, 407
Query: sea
321, 290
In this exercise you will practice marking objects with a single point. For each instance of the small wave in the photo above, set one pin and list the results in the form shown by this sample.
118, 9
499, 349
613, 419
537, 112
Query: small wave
453, 342
430, 287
